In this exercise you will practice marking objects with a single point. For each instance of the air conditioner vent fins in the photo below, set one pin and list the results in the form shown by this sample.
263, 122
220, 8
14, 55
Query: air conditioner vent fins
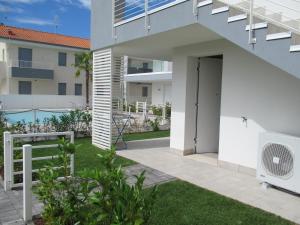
278, 160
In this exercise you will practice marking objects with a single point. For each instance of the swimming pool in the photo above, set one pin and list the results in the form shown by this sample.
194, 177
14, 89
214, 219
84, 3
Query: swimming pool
30, 115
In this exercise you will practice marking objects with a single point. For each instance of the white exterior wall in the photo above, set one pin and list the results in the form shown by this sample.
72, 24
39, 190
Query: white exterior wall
183, 103
161, 92
251, 88
134, 92
2, 52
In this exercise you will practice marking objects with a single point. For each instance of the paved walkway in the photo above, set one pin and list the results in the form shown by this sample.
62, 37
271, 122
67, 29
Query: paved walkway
11, 207
11, 202
244, 188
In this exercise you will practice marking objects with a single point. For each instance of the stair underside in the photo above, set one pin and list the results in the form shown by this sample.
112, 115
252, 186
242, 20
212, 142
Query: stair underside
276, 46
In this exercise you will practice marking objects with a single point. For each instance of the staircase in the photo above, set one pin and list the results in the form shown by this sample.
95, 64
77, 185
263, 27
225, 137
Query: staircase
277, 38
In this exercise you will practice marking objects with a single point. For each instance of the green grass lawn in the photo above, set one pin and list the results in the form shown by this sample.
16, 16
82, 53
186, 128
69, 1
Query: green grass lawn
147, 135
181, 203
86, 155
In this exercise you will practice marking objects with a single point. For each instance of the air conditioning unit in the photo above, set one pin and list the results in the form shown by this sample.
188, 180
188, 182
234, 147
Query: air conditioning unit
279, 161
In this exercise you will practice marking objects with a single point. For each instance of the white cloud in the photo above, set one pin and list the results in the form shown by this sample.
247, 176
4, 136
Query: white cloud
8, 9
86, 3
79, 3
22, 1
35, 21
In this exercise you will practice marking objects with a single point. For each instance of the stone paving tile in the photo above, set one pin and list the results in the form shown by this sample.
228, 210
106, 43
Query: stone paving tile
152, 176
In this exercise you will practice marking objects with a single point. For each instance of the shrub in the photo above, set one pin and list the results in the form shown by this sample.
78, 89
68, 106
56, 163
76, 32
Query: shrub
116, 202
157, 111
98, 197
154, 124
64, 200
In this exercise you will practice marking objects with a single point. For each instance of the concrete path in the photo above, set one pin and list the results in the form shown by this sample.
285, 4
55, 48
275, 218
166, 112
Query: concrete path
11, 207
244, 188
149, 143
152, 176
11, 202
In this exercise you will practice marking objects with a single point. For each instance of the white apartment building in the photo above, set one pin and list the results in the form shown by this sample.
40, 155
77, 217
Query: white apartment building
148, 81
37, 69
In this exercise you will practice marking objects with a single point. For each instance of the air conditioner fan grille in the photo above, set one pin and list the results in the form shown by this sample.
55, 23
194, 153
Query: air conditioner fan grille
278, 160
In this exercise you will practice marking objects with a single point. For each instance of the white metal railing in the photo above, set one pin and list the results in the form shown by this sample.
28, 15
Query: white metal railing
285, 14
128, 10
10, 149
30, 64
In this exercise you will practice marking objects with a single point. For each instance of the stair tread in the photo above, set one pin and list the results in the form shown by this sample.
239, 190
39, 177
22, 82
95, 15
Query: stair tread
277, 36
258, 26
295, 48
204, 3
220, 10
237, 18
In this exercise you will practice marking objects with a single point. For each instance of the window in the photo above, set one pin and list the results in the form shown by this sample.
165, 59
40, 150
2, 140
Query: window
25, 57
145, 92
77, 60
78, 89
62, 59
62, 88
25, 87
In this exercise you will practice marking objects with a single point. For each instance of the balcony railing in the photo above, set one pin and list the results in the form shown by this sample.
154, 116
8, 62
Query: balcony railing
128, 10
31, 69
283, 15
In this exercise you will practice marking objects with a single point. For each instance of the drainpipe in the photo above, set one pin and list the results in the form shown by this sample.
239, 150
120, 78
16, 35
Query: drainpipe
197, 107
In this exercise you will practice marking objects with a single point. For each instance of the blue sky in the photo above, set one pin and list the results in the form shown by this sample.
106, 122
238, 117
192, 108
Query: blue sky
71, 17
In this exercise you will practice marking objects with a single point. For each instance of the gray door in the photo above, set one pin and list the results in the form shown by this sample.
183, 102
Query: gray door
210, 80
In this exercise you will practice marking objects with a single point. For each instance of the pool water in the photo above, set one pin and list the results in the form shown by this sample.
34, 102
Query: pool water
28, 116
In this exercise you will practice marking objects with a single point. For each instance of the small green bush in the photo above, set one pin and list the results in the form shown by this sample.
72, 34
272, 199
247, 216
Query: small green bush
154, 124
97, 197
65, 200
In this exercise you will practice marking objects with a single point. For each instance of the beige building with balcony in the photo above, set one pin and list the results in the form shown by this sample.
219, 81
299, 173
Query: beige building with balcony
37, 67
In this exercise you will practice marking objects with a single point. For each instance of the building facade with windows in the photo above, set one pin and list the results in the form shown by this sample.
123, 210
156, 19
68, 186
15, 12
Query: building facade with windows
40, 65
148, 81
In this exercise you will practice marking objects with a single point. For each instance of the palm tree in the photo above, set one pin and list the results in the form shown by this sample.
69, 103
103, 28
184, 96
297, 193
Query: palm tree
84, 63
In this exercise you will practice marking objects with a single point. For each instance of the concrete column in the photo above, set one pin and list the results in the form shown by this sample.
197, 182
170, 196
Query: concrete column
184, 85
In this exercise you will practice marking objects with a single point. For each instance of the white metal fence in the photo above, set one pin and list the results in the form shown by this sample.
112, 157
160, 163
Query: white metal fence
9, 155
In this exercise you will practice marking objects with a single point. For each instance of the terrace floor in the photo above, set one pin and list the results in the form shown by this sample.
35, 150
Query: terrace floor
241, 187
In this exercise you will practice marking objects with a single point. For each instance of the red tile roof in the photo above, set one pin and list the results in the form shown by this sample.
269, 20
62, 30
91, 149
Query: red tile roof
22, 34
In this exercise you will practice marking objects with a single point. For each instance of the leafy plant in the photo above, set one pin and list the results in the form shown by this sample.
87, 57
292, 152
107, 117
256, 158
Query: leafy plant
154, 124
157, 111
65, 200
98, 197
115, 201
